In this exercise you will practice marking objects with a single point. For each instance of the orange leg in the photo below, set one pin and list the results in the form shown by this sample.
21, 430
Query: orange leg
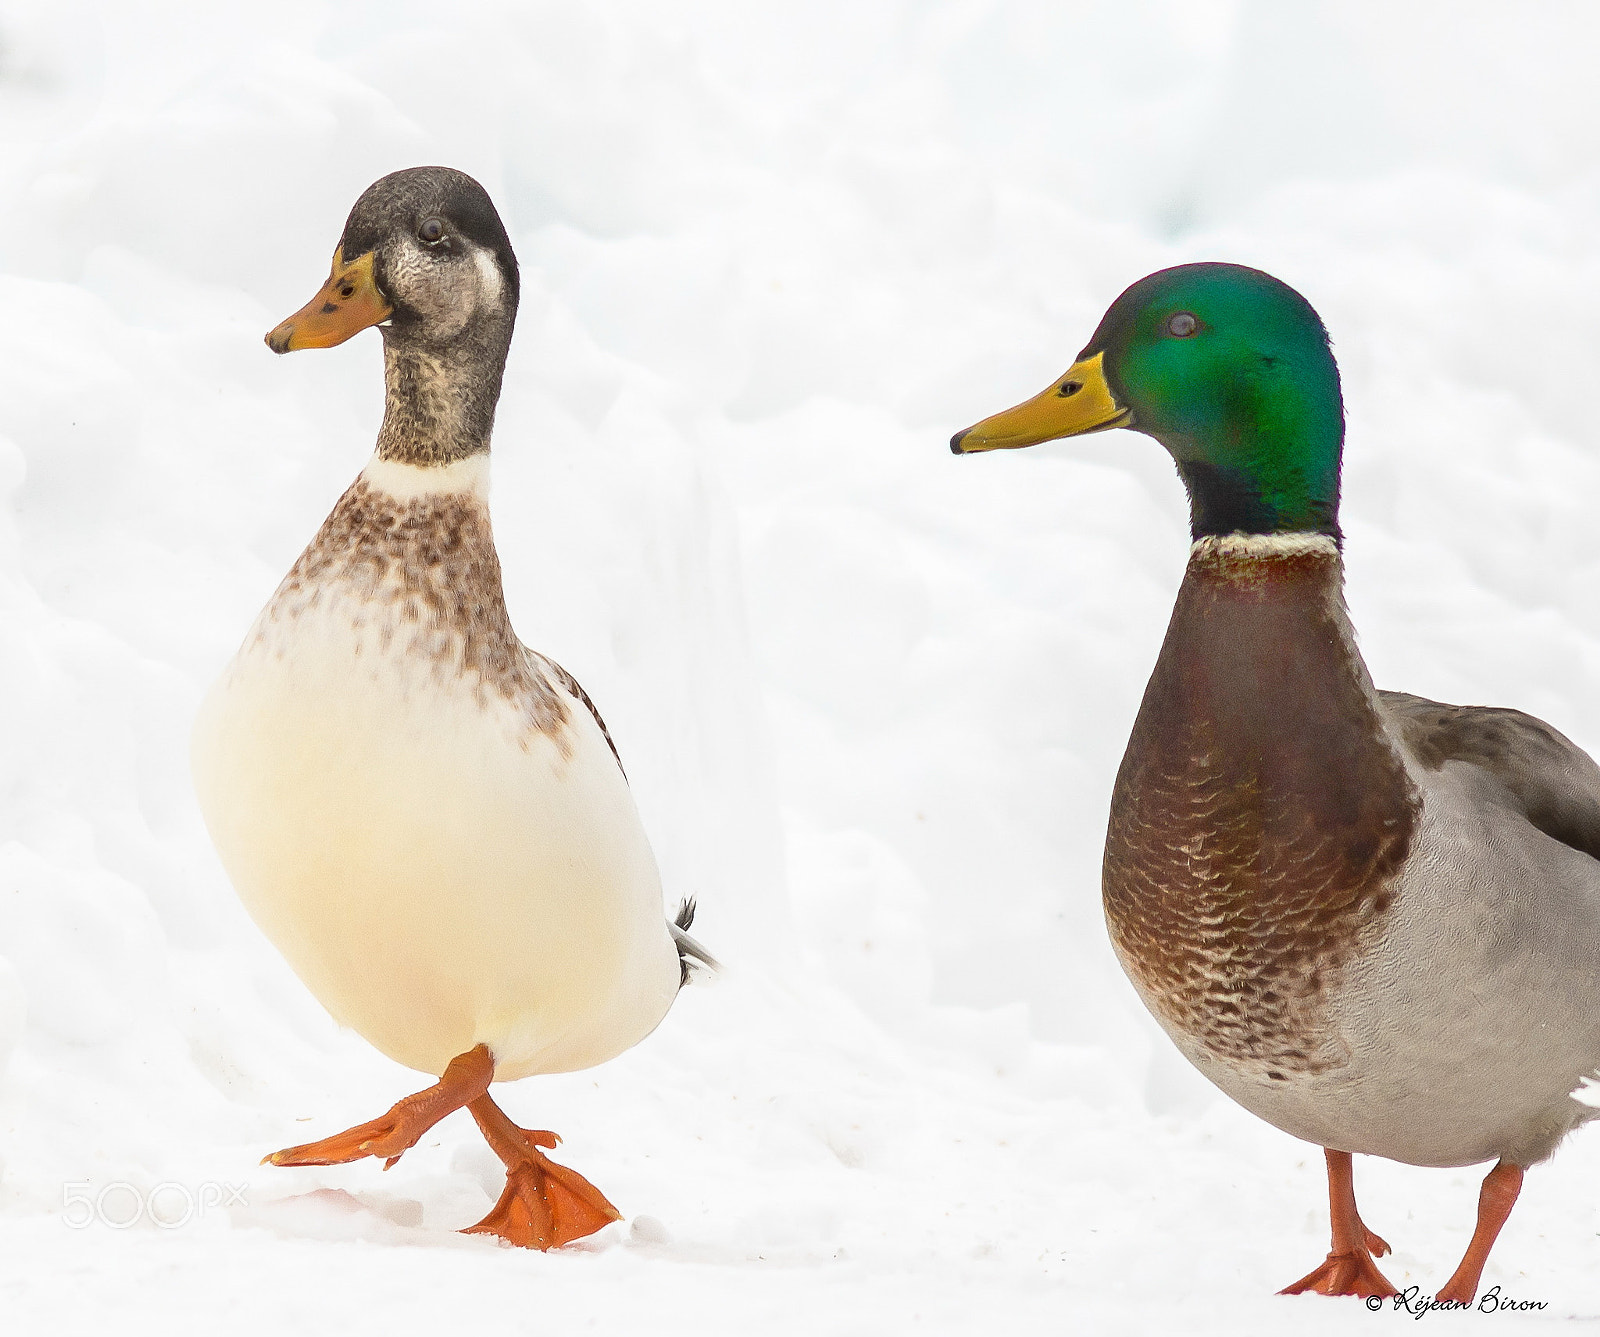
1349, 1269
544, 1205
1495, 1200
464, 1081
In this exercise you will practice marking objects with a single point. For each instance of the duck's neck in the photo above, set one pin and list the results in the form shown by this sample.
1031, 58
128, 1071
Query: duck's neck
1259, 638
1261, 810
439, 400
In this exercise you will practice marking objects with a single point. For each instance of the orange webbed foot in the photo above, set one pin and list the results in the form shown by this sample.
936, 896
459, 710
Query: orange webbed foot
1351, 1273
544, 1204
392, 1134
1348, 1268
387, 1136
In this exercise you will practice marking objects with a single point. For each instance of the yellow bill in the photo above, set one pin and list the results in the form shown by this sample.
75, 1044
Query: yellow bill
1079, 402
348, 303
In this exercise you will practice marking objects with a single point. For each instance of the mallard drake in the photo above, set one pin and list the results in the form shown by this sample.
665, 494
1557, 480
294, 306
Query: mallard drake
1371, 919
427, 818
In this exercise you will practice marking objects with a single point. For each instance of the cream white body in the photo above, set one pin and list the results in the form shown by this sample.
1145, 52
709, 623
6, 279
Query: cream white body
439, 874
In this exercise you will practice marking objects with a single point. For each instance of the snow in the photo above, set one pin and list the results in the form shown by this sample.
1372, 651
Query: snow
871, 697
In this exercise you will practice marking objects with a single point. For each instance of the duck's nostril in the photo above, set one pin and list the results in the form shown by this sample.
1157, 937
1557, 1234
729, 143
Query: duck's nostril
1069, 388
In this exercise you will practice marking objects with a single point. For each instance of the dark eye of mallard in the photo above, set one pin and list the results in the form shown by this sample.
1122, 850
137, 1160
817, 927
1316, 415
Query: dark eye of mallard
1182, 325
432, 230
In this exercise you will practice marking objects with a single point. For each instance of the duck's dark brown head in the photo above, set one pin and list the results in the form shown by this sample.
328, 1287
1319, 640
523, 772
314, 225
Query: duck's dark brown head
424, 255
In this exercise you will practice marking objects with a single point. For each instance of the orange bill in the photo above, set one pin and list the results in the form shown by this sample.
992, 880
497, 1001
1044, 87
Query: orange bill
348, 303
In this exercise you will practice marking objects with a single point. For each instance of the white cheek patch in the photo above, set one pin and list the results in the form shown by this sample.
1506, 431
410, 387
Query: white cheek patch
491, 284
446, 289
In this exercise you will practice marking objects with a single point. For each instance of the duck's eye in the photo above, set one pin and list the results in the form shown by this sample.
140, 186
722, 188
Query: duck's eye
432, 230
1182, 325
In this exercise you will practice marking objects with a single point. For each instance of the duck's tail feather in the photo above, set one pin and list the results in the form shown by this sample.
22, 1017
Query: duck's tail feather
692, 957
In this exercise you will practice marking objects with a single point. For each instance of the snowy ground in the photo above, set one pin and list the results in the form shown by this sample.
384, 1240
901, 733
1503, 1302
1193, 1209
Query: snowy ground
871, 696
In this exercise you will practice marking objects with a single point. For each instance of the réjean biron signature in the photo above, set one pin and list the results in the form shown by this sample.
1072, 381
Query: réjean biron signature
1493, 1301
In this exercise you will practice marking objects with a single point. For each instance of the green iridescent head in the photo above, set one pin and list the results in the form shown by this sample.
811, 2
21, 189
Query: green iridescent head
1230, 370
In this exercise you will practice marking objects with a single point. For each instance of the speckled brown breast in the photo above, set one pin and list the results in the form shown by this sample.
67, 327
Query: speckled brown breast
1260, 813
424, 572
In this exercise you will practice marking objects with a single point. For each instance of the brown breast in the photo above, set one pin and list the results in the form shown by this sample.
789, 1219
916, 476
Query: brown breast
426, 569
1260, 813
